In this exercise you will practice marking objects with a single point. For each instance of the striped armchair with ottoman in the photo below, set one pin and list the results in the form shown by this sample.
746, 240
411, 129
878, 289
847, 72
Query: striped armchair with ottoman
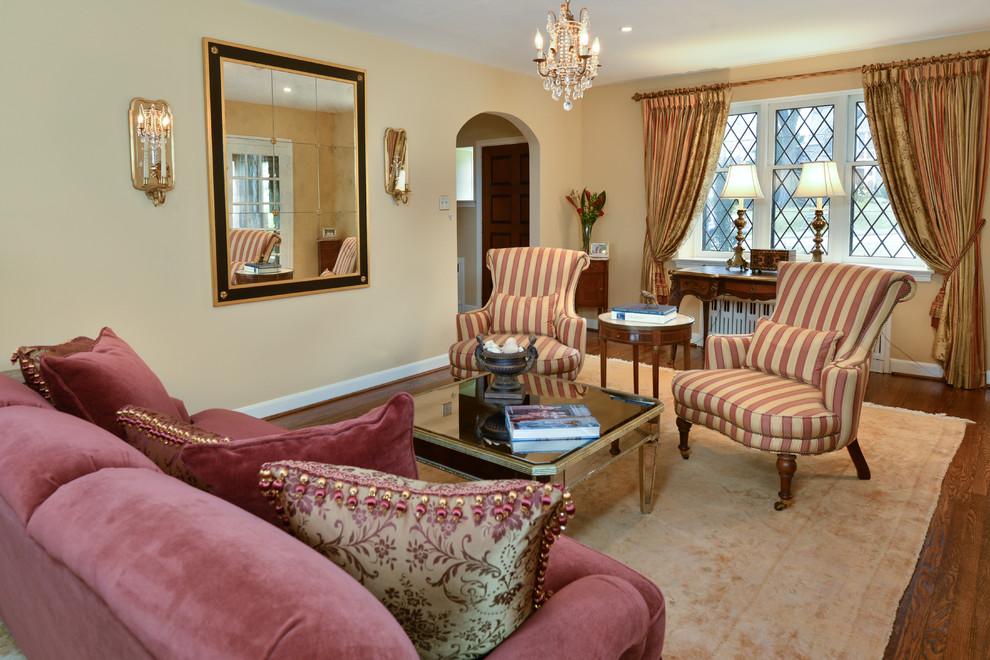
532, 293
796, 385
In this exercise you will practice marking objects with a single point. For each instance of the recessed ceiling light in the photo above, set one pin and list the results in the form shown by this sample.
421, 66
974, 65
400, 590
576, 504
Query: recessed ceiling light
287, 89
626, 29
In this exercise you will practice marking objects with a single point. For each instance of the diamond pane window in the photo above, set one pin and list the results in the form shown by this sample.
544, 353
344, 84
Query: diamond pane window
738, 148
739, 143
791, 229
804, 134
864, 138
873, 231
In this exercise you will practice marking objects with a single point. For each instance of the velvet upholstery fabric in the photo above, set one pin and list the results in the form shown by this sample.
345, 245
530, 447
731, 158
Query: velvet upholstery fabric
189, 574
48, 609
235, 425
379, 440
571, 560
42, 450
95, 384
13, 393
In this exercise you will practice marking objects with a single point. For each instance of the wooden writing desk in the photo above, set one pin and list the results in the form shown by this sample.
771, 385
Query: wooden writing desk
708, 282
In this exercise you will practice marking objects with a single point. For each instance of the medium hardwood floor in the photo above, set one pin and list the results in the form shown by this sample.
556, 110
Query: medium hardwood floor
945, 610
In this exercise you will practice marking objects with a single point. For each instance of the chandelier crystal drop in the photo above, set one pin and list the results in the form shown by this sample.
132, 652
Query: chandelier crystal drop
569, 65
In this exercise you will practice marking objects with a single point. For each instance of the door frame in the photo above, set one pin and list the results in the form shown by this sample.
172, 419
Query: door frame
533, 235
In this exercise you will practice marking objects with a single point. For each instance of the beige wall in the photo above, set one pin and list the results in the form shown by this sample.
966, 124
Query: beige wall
612, 158
84, 249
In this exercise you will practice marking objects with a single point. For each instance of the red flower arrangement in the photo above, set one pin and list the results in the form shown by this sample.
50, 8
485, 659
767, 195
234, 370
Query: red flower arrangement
590, 209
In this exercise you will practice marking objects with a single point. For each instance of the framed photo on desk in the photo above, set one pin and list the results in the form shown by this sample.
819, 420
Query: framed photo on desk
599, 251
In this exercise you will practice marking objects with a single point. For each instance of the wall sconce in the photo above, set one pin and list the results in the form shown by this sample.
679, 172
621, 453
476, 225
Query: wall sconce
152, 158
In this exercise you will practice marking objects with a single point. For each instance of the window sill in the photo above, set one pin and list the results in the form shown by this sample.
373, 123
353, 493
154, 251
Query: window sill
919, 274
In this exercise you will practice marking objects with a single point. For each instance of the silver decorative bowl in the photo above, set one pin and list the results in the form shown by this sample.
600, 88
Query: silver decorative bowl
505, 367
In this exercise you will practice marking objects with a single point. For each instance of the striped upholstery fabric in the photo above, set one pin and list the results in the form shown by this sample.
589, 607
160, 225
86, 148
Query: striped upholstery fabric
796, 353
249, 246
523, 315
790, 403
532, 273
758, 409
347, 257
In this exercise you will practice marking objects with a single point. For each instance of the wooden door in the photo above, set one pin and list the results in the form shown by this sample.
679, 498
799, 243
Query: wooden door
504, 202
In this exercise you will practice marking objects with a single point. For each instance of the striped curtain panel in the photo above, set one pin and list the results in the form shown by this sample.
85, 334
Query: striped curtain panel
683, 131
931, 129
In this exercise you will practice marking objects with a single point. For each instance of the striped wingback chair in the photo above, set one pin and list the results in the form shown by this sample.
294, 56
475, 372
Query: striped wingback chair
250, 246
796, 385
532, 293
346, 258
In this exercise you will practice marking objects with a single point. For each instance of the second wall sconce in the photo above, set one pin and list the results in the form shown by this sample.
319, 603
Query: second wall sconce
397, 164
152, 157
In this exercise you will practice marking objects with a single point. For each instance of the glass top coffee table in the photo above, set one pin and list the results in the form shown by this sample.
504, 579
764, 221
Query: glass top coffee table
449, 433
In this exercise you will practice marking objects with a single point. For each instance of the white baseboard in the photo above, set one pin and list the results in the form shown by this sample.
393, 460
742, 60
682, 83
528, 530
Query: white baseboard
327, 392
911, 368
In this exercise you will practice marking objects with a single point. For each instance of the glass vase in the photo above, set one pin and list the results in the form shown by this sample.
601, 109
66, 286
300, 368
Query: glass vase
586, 238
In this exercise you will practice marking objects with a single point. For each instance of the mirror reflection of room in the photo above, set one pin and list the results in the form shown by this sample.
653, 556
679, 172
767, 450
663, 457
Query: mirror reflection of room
290, 145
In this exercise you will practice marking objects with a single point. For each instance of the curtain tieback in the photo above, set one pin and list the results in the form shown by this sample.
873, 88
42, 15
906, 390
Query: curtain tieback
936, 309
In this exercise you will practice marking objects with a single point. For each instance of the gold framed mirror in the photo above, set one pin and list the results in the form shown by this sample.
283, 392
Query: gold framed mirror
287, 165
397, 164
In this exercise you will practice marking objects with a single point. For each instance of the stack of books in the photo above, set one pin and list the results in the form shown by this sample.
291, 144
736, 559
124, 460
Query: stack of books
261, 267
644, 313
550, 428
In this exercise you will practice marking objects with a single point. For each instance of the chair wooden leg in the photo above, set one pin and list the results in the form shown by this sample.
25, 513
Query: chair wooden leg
856, 452
684, 427
786, 467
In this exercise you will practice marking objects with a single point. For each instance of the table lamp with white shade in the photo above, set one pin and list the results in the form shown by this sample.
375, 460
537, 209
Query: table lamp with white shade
819, 179
742, 183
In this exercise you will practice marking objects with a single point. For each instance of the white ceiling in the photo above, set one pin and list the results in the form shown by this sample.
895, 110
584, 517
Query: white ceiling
667, 37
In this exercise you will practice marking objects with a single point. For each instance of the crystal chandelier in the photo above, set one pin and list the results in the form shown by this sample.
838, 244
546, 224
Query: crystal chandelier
569, 65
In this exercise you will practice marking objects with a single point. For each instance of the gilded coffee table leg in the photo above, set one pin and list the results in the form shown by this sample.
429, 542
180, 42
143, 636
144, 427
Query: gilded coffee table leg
647, 454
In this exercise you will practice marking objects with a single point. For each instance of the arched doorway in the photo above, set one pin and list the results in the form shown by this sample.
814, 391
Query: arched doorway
497, 153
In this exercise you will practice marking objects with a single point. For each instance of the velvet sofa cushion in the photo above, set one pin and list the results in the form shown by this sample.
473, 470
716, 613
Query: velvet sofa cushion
792, 352
380, 439
233, 424
523, 314
95, 384
460, 566
28, 358
13, 393
41, 449
193, 576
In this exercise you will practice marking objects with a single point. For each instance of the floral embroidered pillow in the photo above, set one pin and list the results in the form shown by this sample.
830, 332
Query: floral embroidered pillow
28, 358
460, 566
798, 353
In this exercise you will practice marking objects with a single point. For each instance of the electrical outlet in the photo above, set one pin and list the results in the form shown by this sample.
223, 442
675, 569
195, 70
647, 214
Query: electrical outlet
444, 202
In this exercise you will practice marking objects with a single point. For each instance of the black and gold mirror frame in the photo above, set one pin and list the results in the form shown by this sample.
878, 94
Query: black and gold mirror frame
286, 145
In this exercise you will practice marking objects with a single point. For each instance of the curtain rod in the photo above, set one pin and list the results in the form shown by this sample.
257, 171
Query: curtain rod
817, 74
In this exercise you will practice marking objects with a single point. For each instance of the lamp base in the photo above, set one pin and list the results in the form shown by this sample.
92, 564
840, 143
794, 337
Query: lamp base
818, 224
737, 258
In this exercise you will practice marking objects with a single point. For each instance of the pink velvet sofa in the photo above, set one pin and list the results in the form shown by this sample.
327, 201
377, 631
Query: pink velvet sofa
103, 555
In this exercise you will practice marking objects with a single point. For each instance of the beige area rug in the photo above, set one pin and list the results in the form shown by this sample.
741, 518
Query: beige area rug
821, 579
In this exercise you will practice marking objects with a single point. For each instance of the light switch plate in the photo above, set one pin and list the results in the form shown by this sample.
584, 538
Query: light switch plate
444, 202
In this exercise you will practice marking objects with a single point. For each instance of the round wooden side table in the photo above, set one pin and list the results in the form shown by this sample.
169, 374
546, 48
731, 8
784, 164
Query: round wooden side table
255, 277
654, 335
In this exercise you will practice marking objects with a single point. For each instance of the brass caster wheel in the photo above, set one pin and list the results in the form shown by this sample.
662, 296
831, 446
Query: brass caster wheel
779, 506
685, 455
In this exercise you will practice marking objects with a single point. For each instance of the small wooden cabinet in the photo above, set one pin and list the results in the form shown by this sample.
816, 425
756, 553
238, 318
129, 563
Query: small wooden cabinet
592, 290
329, 249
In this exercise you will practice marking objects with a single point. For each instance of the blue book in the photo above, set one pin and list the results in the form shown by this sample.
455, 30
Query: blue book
646, 308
